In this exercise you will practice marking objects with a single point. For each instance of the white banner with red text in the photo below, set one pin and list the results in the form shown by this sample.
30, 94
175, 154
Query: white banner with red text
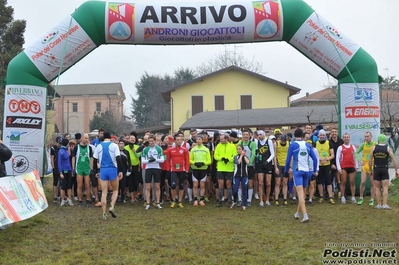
21, 197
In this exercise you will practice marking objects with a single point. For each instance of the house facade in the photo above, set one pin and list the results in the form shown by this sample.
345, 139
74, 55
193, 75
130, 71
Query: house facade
231, 88
78, 103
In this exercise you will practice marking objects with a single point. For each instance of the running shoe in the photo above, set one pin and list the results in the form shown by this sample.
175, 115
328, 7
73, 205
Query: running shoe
353, 200
158, 206
218, 204
321, 200
173, 205
239, 203
87, 204
201, 203
232, 205
154, 203
276, 203
296, 215
195, 203
70, 202
257, 196
360, 202
181, 205
378, 206
371, 203
244, 208
293, 201
105, 217
339, 194
261, 204
132, 201
343, 200
80, 204
285, 203
62, 203
75, 198
386, 207
98, 204
305, 220
112, 211
207, 199
147, 206
249, 204
332, 201
310, 203
55, 200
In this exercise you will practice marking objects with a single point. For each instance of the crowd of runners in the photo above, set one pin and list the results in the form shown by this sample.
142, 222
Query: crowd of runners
225, 169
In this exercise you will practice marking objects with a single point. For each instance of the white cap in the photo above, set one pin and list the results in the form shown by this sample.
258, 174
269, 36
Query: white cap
271, 137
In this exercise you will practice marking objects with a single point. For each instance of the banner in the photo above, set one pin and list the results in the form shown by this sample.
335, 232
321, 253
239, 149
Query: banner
197, 23
24, 127
67, 43
360, 111
21, 197
324, 44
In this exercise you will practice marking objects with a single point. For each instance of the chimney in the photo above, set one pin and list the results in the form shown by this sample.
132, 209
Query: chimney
307, 94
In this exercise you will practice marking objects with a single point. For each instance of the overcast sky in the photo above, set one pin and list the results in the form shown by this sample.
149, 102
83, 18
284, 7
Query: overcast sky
374, 25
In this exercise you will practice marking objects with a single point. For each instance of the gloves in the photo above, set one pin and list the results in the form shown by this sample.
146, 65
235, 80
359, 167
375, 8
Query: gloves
128, 173
152, 159
225, 160
199, 164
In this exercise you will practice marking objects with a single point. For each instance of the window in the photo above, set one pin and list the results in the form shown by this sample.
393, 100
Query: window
197, 105
246, 102
219, 102
74, 107
98, 106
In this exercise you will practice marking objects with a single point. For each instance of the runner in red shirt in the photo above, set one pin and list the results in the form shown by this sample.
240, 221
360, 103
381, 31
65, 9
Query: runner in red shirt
179, 159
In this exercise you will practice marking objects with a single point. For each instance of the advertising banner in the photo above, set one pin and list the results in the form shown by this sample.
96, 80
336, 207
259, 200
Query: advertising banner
24, 127
21, 197
360, 111
67, 43
199, 23
324, 44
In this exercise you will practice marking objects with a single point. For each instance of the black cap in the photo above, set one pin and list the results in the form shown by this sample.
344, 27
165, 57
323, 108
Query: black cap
283, 137
58, 140
289, 135
234, 134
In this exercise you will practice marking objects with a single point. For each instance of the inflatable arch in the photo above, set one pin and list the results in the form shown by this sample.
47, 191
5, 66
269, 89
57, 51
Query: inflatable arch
95, 23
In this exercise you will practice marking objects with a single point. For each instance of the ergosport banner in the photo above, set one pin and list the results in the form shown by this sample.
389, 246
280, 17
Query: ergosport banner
200, 23
324, 44
21, 197
24, 127
65, 44
360, 111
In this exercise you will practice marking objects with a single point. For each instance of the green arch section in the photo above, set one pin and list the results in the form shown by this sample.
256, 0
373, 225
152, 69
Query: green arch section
91, 16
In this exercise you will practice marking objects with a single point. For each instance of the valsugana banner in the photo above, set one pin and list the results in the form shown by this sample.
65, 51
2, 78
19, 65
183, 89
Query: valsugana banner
21, 197
191, 23
360, 111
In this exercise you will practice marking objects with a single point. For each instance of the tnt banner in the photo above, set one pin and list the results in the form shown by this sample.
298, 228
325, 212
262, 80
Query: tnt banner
360, 111
24, 128
21, 197
324, 44
184, 23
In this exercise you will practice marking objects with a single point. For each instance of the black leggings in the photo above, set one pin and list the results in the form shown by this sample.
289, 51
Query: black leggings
324, 176
164, 176
190, 180
174, 176
66, 183
133, 179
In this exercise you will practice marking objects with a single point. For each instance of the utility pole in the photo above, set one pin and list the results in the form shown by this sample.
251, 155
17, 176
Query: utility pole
67, 117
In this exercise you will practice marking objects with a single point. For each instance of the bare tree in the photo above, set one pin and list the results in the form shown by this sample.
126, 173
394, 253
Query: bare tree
227, 59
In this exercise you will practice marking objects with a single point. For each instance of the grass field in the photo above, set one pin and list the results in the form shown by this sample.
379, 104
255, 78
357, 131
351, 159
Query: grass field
209, 235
